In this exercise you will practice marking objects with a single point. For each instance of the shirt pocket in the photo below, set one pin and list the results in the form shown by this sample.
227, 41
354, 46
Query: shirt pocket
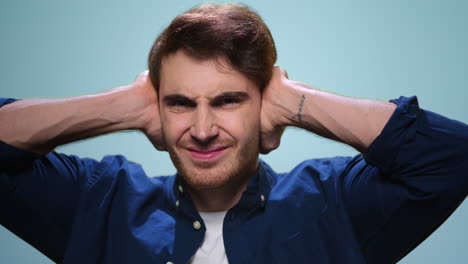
295, 249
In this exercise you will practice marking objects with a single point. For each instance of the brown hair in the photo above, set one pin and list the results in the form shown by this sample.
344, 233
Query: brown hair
212, 31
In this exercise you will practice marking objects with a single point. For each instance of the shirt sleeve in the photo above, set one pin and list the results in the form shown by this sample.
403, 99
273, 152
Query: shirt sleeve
39, 195
413, 177
4, 101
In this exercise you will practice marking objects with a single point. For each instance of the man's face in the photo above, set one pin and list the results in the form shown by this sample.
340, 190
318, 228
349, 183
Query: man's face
210, 116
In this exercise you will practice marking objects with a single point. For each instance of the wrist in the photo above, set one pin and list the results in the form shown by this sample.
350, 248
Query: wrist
293, 100
125, 108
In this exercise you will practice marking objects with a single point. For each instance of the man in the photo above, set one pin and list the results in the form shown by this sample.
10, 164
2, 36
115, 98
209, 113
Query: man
214, 101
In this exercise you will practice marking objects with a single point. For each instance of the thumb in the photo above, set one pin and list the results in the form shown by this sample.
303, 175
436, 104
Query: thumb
271, 140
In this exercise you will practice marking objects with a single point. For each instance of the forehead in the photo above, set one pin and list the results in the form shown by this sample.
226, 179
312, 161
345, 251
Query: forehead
183, 74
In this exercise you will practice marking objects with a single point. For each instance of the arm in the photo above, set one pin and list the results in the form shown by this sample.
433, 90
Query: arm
410, 179
39, 194
356, 122
41, 125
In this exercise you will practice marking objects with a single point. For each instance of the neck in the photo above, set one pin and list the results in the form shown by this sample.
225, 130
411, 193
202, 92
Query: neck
215, 200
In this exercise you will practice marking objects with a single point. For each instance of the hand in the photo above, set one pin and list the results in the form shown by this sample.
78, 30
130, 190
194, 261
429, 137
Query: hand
150, 122
272, 117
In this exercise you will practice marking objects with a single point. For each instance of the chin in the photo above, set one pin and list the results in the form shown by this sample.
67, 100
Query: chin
203, 176
231, 170
209, 176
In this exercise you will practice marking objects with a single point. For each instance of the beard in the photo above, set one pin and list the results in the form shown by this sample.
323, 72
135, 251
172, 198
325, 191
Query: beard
232, 169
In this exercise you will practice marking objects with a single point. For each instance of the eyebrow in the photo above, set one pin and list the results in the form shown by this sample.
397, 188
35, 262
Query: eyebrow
176, 97
239, 95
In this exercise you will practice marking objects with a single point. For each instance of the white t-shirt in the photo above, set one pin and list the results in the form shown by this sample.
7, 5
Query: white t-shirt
212, 250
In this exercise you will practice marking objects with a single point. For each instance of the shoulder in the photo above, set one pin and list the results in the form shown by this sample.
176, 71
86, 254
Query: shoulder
324, 169
117, 174
324, 175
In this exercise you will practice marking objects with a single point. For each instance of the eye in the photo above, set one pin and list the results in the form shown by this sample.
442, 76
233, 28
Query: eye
230, 100
227, 101
180, 104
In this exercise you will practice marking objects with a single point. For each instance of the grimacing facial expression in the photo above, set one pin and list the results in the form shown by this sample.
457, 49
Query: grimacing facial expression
210, 116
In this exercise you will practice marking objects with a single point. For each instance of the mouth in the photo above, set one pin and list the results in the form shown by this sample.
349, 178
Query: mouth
206, 154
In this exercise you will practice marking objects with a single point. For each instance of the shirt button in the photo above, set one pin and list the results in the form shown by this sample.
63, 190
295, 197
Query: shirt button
196, 225
262, 197
180, 188
177, 203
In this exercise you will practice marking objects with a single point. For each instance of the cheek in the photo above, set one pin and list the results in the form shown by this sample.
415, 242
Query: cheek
242, 124
175, 126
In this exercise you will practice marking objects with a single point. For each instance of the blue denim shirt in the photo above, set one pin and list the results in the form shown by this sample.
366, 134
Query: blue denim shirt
364, 209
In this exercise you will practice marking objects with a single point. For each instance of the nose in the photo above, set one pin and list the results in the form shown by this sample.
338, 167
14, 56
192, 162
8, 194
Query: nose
204, 128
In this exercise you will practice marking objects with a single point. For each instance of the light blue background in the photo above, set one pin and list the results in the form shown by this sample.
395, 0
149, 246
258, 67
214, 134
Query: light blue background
370, 49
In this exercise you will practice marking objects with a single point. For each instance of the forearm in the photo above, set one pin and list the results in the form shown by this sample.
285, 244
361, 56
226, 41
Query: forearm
41, 125
356, 122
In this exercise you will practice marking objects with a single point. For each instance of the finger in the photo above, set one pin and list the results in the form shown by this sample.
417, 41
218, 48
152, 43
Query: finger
285, 73
142, 75
280, 71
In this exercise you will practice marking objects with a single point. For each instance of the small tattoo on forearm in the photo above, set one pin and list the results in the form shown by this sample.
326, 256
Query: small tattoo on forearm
299, 111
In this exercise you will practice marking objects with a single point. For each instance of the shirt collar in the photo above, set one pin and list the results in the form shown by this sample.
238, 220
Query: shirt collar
258, 189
